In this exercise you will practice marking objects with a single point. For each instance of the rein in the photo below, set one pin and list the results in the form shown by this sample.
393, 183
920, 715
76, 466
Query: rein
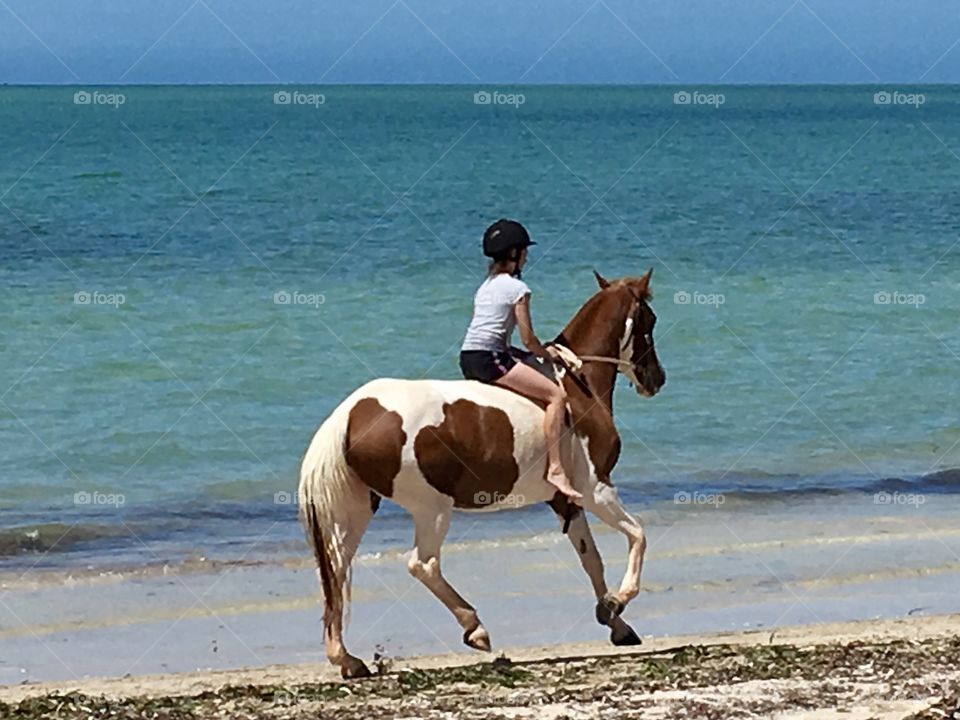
600, 358
572, 363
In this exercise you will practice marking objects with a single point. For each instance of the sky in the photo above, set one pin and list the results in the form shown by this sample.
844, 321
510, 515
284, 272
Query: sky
479, 41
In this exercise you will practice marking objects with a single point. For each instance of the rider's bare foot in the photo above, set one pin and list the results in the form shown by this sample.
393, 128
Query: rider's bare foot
559, 480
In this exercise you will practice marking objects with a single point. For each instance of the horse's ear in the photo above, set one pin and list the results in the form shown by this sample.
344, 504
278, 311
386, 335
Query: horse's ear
643, 283
601, 281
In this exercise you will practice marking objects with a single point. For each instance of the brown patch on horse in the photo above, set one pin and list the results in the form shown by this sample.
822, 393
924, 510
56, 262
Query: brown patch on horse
468, 456
373, 446
564, 509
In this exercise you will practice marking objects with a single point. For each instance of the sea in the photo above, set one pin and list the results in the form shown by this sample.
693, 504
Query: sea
192, 278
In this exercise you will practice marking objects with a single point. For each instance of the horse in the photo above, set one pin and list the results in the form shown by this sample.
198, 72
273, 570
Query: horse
433, 446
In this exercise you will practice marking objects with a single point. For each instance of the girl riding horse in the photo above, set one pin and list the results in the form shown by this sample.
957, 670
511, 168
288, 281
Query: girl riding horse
501, 303
435, 446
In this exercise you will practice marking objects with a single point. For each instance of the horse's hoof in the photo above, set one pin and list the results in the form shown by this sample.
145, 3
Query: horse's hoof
477, 638
624, 636
608, 608
354, 668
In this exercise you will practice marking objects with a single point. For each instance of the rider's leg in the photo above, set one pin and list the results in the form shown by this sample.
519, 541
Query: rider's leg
527, 381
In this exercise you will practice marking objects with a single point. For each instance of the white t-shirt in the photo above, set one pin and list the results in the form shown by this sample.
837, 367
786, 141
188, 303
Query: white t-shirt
493, 313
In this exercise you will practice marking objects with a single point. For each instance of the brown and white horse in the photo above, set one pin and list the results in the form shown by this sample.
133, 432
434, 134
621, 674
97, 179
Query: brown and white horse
433, 446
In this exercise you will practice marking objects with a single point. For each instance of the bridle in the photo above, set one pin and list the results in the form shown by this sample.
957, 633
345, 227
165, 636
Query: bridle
624, 365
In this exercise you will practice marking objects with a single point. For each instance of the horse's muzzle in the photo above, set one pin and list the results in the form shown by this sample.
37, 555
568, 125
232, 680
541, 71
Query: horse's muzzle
651, 381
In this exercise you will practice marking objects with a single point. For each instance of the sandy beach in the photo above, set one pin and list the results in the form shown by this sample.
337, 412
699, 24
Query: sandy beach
890, 669
793, 613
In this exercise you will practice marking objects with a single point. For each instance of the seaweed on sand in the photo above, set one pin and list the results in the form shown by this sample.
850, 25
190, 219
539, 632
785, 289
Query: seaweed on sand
701, 680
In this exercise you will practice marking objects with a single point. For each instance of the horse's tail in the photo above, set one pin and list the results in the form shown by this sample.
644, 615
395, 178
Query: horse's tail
326, 491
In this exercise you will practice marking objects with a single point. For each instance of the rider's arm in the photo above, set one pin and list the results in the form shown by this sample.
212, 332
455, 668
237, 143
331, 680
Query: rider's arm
527, 336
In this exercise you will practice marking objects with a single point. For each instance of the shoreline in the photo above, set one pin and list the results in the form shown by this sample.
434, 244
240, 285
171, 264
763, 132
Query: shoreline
385, 542
704, 573
67, 539
311, 686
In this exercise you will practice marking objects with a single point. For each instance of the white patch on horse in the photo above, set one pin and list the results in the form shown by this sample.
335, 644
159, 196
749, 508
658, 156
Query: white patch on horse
409, 399
626, 352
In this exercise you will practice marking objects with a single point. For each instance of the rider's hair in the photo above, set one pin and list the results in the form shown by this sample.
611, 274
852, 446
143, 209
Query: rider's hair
501, 263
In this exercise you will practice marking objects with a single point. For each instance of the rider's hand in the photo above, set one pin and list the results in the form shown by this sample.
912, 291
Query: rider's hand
553, 352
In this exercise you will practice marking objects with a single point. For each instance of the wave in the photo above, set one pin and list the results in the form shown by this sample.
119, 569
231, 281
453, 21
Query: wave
98, 175
53, 537
226, 517
939, 483
760, 487
213, 192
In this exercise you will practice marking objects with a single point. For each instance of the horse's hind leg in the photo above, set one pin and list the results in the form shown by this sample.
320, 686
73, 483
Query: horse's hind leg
424, 564
356, 518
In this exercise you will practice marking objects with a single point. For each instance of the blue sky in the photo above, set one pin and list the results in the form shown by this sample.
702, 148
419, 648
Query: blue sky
473, 42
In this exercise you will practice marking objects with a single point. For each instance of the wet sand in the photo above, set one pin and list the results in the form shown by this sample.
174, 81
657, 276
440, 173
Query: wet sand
707, 571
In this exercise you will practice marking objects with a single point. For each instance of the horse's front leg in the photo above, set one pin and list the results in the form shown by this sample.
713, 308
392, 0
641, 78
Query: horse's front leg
604, 502
574, 520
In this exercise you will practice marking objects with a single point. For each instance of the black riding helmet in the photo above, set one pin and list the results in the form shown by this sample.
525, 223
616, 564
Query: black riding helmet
503, 236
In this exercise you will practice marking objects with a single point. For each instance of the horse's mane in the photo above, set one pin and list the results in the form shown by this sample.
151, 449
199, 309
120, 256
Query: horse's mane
588, 309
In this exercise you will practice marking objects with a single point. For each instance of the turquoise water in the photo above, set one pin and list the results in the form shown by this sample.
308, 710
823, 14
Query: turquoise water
196, 395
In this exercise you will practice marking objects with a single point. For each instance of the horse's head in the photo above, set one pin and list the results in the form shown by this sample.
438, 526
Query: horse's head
629, 298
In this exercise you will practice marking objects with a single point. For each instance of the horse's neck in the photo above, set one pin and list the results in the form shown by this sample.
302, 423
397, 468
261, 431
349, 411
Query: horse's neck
595, 331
